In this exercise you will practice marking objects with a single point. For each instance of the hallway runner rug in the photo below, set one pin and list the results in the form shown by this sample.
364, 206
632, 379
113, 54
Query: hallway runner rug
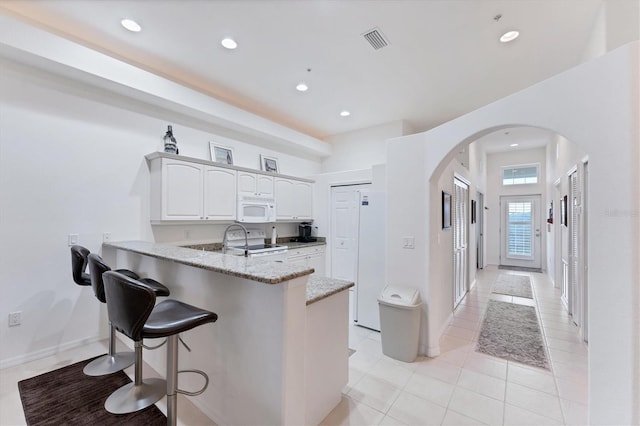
68, 397
512, 332
513, 285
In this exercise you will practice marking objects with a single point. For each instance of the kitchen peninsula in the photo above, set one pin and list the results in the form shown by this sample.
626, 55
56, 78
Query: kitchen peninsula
278, 353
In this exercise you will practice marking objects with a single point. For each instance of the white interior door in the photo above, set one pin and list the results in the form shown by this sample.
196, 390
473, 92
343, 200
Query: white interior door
480, 231
344, 236
520, 231
460, 239
585, 251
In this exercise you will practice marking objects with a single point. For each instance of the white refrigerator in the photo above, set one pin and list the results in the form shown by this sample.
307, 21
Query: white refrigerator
372, 266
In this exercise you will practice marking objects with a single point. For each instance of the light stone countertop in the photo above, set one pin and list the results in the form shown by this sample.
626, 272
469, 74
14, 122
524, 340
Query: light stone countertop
263, 271
319, 288
295, 245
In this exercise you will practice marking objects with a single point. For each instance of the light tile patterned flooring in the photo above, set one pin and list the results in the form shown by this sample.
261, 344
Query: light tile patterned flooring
460, 387
464, 387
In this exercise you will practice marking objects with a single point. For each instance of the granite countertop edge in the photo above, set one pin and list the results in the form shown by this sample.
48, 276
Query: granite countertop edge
260, 271
319, 288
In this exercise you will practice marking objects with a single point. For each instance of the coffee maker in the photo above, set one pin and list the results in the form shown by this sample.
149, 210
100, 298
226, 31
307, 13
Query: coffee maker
304, 233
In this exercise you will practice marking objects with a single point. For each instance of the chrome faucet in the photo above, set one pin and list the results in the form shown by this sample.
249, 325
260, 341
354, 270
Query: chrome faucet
246, 239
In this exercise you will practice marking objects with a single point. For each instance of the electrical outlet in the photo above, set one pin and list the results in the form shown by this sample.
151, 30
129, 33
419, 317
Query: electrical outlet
15, 318
106, 237
72, 240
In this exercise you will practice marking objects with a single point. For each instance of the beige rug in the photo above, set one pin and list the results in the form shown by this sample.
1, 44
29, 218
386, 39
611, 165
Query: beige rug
512, 332
513, 285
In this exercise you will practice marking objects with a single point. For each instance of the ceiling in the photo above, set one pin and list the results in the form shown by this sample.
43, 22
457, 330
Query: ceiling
443, 59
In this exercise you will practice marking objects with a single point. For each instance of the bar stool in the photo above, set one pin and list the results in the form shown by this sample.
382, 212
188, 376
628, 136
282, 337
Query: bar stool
133, 312
79, 265
112, 361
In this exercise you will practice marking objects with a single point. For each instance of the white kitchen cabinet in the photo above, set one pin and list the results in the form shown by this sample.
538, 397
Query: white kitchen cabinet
219, 193
255, 184
312, 256
293, 199
189, 191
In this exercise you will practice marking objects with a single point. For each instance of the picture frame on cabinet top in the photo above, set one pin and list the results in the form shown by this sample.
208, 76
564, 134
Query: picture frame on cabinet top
221, 154
269, 164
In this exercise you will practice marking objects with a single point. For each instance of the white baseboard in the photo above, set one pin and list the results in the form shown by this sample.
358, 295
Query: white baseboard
43, 353
473, 284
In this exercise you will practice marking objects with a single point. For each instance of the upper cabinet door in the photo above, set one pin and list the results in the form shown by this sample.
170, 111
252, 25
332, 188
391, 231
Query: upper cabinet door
303, 196
265, 186
254, 184
293, 199
247, 183
182, 191
219, 193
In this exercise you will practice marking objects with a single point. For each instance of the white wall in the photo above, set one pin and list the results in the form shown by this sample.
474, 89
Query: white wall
72, 161
495, 189
596, 106
362, 148
615, 25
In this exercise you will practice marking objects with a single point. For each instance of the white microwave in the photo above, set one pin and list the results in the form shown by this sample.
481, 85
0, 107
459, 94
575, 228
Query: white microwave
256, 209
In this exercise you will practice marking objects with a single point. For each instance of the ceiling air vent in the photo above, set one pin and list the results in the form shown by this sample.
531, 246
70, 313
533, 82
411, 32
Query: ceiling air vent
376, 39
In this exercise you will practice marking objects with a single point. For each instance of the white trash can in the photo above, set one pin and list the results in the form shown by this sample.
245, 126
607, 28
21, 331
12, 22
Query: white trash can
400, 311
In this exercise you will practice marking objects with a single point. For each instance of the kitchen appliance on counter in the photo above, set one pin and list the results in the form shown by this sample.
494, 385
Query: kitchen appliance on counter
256, 209
255, 246
304, 233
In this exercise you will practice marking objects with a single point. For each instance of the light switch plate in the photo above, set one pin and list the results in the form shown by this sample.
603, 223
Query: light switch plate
408, 242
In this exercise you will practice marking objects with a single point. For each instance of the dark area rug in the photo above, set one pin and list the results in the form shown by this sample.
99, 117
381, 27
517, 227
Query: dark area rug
520, 268
68, 397
512, 332
513, 285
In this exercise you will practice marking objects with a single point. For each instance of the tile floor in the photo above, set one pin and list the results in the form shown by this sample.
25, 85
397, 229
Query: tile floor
464, 387
460, 387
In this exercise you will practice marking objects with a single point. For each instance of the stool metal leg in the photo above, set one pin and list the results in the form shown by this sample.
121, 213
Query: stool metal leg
172, 380
137, 395
111, 362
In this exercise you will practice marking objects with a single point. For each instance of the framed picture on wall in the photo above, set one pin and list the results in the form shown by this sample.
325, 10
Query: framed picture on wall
269, 164
221, 154
473, 211
446, 210
563, 211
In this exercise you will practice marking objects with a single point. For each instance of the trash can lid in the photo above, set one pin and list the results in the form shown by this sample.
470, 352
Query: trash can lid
400, 296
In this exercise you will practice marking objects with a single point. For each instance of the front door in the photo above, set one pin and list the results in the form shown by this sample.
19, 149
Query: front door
520, 231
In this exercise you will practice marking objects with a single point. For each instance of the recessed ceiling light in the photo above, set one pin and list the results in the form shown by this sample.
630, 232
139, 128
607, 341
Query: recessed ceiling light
131, 25
514, 144
509, 36
344, 113
229, 43
302, 87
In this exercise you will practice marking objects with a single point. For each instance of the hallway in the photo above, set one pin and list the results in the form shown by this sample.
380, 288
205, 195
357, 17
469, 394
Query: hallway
464, 387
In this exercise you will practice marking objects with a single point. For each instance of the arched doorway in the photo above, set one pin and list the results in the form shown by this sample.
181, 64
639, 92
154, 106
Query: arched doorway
572, 104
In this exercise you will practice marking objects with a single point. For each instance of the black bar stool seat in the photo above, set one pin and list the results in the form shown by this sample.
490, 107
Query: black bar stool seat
133, 312
113, 361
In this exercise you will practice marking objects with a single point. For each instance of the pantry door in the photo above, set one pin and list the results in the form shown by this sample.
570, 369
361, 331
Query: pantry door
520, 231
